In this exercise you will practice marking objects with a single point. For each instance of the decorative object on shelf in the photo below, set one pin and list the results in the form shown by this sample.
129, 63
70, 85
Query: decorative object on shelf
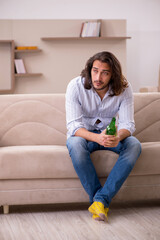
91, 29
26, 48
19, 66
149, 89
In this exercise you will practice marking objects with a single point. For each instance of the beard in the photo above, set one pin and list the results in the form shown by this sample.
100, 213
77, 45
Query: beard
99, 85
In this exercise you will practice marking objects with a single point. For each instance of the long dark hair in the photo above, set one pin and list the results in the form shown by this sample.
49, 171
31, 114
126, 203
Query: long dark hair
118, 82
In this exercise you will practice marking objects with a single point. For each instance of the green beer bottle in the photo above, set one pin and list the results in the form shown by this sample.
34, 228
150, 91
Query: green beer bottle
111, 128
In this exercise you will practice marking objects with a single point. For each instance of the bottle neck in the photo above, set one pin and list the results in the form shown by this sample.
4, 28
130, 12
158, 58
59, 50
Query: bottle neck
113, 120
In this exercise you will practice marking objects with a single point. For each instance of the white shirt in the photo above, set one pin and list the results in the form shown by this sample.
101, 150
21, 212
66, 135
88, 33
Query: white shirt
84, 107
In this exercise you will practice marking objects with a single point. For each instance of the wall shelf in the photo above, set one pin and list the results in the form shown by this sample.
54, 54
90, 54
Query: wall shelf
28, 74
86, 38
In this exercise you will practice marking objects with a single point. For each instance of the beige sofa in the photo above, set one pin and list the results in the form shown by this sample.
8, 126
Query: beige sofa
35, 167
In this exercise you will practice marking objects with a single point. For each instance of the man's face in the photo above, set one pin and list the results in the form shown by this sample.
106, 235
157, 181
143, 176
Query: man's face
101, 75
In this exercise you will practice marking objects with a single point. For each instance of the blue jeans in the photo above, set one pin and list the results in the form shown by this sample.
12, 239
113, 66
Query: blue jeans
80, 149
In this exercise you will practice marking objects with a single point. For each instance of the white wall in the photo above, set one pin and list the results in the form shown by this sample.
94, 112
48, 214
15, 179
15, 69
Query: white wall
143, 25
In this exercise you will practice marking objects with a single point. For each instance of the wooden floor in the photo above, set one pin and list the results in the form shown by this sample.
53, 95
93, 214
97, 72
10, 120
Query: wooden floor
48, 222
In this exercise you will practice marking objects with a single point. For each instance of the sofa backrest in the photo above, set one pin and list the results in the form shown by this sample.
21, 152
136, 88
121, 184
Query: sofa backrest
32, 119
39, 119
147, 116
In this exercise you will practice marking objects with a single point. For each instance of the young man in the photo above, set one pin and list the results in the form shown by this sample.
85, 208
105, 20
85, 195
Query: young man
92, 99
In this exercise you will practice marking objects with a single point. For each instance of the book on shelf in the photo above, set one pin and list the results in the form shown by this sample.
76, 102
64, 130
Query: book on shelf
19, 66
26, 48
91, 29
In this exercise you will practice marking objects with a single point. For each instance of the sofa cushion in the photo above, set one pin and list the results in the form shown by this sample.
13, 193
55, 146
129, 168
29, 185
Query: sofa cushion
25, 162
35, 162
150, 153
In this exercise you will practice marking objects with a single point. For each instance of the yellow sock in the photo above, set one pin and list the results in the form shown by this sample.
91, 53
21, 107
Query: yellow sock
97, 209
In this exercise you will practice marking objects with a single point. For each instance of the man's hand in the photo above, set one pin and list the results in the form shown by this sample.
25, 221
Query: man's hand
108, 140
102, 138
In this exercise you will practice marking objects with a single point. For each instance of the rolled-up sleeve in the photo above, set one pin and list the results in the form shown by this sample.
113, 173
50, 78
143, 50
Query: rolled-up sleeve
73, 109
126, 112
